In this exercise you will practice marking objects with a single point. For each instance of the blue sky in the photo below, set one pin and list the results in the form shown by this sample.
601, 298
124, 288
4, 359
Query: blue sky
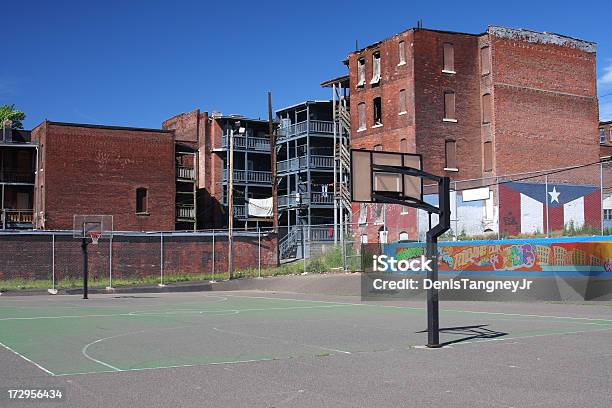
137, 63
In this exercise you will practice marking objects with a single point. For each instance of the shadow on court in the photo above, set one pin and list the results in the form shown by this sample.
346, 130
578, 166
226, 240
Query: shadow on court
469, 333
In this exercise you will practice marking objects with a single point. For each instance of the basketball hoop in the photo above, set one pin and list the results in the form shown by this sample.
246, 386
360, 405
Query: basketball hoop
95, 236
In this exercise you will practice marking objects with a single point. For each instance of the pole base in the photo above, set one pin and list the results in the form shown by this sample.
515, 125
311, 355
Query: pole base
110, 289
52, 291
433, 345
161, 285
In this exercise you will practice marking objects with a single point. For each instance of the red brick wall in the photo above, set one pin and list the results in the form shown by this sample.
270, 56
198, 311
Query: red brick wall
94, 170
30, 256
394, 77
430, 85
545, 105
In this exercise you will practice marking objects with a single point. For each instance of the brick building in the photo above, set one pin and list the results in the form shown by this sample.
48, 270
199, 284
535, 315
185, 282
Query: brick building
605, 138
478, 105
209, 138
91, 169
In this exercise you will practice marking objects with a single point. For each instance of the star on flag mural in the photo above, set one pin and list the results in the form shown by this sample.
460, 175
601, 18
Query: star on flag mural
526, 208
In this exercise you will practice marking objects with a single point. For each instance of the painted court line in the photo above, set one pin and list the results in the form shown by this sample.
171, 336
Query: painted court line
26, 359
444, 310
170, 312
277, 339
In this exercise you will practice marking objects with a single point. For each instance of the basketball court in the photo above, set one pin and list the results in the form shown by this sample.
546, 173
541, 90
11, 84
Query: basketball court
283, 349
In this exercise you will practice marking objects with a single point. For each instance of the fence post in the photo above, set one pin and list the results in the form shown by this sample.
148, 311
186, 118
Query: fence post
161, 259
110, 263
546, 198
53, 291
456, 213
212, 278
499, 221
259, 251
303, 248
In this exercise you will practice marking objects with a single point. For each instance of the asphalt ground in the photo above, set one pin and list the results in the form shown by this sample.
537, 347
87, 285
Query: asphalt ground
272, 349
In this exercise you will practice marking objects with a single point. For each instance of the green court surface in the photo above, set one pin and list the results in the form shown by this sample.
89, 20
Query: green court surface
66, 335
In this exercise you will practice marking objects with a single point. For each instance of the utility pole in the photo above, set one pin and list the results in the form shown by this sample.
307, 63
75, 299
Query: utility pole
230, 206
272, 136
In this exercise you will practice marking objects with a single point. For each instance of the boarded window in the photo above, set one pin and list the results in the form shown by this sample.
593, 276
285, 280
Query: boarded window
402, 53
488, 156
378, 147
377, 111
404, 145
449, 57
141, 200
362, 115
361, 72
375, 68
486, 108
485, 60
451, 154
449, 105
402, 101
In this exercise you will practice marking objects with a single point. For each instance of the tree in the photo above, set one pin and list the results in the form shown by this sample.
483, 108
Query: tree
16, 116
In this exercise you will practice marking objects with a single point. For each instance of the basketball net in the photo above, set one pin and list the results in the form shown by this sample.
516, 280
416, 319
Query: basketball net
95, 236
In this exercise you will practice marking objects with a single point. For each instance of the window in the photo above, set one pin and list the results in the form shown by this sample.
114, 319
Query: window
611, 133
485, 60
362, 116
449, 106
361, 72
449, 58
377, 112
488, 156
402, 101
378, 147
141, 200
486, 108
607, 214
602, 135
451, 155
375, 68
403, 236
402, 53
404, 145
364, 239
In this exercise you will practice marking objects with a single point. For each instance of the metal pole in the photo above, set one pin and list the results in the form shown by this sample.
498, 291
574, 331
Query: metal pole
303, 248
601, 213
498, 209
85, 266
161, 259
546, 198
212, 278
336, 152
53, 261
456, 213
230, 206
110, 263
259, 251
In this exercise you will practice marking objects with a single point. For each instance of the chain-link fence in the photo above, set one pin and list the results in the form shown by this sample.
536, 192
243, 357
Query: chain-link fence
54, 259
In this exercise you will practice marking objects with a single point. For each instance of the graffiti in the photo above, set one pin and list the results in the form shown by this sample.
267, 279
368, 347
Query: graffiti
529, 255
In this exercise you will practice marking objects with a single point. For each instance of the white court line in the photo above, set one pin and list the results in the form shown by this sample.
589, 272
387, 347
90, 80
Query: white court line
423, 308
528, 336
26, 359
277, 339
171, 312
172, 366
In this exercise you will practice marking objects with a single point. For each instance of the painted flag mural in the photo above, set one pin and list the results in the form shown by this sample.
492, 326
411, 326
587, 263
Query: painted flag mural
526, 208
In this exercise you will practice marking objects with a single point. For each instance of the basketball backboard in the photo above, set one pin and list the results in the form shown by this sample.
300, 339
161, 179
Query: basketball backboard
370, 179
88, 226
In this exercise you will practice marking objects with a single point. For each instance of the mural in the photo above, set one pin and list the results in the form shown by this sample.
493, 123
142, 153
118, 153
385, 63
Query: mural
577, 256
